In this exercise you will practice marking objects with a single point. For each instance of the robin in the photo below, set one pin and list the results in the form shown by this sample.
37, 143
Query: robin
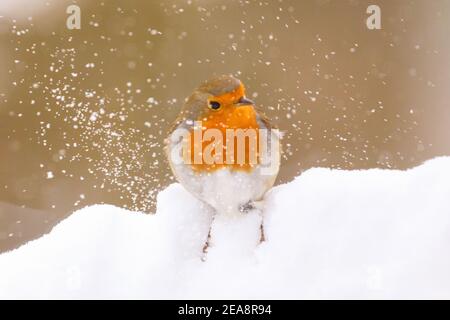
223, 149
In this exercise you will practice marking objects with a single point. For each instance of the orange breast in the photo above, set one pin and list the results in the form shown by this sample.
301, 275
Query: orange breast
238, 153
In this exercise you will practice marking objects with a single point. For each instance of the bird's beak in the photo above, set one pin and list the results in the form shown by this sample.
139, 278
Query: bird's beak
245, 102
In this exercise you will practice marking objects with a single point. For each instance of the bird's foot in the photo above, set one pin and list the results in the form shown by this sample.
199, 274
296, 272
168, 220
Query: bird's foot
251, 205
246, 207
206, 246
254, 205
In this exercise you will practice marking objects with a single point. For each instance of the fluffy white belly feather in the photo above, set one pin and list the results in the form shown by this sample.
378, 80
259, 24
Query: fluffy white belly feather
225, 190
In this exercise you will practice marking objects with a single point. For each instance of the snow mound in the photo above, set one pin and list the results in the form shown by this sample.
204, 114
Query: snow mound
330, 234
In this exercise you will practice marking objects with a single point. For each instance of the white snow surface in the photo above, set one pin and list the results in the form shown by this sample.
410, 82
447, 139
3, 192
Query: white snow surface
329, 234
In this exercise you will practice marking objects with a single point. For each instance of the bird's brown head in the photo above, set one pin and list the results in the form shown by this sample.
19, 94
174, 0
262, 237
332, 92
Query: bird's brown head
220, 102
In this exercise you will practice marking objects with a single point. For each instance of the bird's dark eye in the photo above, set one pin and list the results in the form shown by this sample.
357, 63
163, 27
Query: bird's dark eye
214, 105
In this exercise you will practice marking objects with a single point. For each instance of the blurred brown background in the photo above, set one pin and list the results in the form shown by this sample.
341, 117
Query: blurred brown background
83, 112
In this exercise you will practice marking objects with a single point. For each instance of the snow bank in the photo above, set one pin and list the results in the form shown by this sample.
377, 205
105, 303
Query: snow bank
330, 234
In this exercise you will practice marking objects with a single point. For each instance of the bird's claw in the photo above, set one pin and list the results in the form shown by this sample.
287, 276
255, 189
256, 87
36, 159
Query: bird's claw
247, 207
251, 205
